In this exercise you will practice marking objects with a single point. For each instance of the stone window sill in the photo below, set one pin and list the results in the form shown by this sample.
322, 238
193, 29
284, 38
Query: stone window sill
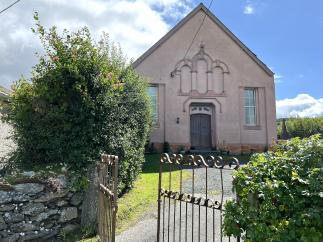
156, 125
252, 127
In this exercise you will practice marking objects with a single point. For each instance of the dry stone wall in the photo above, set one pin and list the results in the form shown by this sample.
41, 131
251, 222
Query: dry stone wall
38, 210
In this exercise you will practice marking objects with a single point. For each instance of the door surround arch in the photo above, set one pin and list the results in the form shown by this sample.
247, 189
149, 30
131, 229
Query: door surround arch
217, 106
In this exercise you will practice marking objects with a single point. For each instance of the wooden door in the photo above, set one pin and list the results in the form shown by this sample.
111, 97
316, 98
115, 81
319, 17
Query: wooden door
200, 131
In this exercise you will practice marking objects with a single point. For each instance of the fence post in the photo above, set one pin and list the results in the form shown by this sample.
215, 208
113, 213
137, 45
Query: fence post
159, 198
108, 195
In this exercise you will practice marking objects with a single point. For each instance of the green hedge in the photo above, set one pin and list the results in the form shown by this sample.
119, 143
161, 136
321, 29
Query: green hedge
83, 99
280, 194
301, 127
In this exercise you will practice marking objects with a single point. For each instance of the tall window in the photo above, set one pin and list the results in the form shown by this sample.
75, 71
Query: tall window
250, 106
153, 93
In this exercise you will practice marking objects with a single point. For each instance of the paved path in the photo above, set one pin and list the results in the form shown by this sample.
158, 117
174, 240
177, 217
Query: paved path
145, 230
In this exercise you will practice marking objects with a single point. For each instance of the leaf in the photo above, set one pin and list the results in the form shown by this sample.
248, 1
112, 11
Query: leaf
36, 16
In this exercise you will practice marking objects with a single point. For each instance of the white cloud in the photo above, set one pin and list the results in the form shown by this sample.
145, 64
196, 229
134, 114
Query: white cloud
303, 105
249, 9
136, 25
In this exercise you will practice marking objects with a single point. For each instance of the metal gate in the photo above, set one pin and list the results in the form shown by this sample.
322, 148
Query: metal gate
191, 210
107, 201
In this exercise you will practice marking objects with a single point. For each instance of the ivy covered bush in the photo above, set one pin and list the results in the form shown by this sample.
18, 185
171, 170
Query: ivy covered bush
280, 194
83, 99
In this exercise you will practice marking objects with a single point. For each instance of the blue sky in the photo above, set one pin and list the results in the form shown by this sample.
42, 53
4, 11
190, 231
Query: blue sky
286, 35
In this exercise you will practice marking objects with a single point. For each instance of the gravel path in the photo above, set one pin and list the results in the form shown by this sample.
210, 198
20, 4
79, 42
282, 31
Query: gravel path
145, 230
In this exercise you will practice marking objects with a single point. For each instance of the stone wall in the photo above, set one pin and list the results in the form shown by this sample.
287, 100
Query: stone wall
37, 210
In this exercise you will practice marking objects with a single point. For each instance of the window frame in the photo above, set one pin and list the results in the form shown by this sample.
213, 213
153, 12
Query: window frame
254, 107
155, 115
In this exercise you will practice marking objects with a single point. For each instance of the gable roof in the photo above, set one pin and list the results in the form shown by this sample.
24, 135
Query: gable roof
219, 23
4, 91
4, 95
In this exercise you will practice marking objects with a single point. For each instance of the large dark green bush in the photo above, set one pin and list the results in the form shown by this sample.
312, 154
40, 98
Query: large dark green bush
281, 194
82, 99
301, 127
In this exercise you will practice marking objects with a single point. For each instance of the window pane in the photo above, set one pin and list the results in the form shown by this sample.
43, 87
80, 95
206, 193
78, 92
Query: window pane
250, 106
246, 116
248, 97
152, 92
252, 116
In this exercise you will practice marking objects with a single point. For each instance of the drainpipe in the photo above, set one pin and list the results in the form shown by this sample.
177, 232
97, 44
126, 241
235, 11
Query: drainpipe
164, 113
267, 143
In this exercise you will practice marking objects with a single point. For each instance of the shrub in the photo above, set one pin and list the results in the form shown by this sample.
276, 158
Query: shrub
166, 147
301, 127
181, 150
82, 99
151, 148
280, 194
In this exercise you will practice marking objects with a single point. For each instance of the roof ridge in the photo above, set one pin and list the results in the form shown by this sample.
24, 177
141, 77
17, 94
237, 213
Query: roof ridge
4, 90
202, 7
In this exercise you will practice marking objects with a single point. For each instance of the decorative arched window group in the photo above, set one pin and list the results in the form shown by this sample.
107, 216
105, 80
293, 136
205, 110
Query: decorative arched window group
201, 74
